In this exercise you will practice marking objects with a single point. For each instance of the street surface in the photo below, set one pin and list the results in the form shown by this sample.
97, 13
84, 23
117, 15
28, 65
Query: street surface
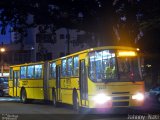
13, 109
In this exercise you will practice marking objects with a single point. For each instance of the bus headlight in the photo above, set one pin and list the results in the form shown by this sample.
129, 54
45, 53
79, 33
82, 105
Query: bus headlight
101, 98
138, 96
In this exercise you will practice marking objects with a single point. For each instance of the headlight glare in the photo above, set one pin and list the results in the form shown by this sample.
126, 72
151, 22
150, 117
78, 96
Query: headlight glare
138, 96
101, 98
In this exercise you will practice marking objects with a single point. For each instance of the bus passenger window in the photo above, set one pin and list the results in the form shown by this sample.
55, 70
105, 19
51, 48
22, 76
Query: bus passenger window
64, 68
23, 72
75, 66
30, 72
38, 71
69, 64
102, 65
53, 70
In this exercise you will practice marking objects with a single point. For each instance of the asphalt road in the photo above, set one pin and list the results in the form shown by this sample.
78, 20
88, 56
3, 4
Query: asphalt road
12, 109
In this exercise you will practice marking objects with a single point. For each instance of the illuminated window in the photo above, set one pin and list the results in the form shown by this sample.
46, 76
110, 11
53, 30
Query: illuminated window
126, 53
53, 70
102, 65
38, 71
30, 72
69, 64
23, 72
75, 66
64, 68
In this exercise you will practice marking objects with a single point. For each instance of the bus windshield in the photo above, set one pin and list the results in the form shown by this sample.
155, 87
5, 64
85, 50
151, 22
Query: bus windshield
104, 67
128, 69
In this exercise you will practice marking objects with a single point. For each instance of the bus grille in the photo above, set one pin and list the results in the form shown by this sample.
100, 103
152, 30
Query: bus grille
120, 98
120, 92
116, 104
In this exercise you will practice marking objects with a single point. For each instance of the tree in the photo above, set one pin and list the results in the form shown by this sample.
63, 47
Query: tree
150, 24
123, 22
139, 21
92, 16
22, 14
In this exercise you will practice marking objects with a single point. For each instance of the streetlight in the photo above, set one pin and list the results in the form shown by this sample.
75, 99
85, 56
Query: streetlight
2, 50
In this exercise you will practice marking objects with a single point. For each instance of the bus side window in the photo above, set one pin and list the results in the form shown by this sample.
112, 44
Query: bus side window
23, 72
64, 68
69, 66
30, 72
52, 71
38, 71
75, 66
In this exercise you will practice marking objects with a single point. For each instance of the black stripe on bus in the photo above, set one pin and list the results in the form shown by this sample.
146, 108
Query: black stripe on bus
120, 92
69, 88
26, 87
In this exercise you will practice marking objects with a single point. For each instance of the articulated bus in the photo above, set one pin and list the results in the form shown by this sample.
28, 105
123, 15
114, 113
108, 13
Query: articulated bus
102, 77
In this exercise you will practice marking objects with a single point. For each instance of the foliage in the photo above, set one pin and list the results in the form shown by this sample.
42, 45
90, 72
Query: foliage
124, 22
120, 20
52, 14
29, 13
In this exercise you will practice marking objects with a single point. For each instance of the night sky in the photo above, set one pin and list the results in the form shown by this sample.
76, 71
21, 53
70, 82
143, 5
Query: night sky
5, 38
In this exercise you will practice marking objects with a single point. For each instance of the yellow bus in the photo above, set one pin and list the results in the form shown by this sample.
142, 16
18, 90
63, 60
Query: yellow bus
26, 81
102, 77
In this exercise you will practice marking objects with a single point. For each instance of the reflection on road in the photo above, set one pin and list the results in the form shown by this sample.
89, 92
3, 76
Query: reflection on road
7, 99
12, 107
149, 107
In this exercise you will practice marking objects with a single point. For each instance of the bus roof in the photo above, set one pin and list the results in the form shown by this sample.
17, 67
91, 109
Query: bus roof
83, 51
34, 63
97, 48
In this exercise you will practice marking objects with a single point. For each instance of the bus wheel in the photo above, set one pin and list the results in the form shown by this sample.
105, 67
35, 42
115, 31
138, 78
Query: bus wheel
54, 100
24, 96
76, 106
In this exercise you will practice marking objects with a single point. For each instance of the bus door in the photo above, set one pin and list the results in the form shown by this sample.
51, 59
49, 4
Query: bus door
15, 82
83, 84
58, 83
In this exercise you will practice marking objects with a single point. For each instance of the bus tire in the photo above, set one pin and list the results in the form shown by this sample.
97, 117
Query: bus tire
24, 96
76, 106
54, 100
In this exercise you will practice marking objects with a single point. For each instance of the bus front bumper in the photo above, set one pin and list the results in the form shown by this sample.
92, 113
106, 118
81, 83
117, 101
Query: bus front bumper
109, 103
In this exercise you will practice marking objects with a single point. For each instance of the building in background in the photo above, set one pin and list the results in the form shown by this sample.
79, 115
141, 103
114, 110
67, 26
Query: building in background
48, 45
37, 46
